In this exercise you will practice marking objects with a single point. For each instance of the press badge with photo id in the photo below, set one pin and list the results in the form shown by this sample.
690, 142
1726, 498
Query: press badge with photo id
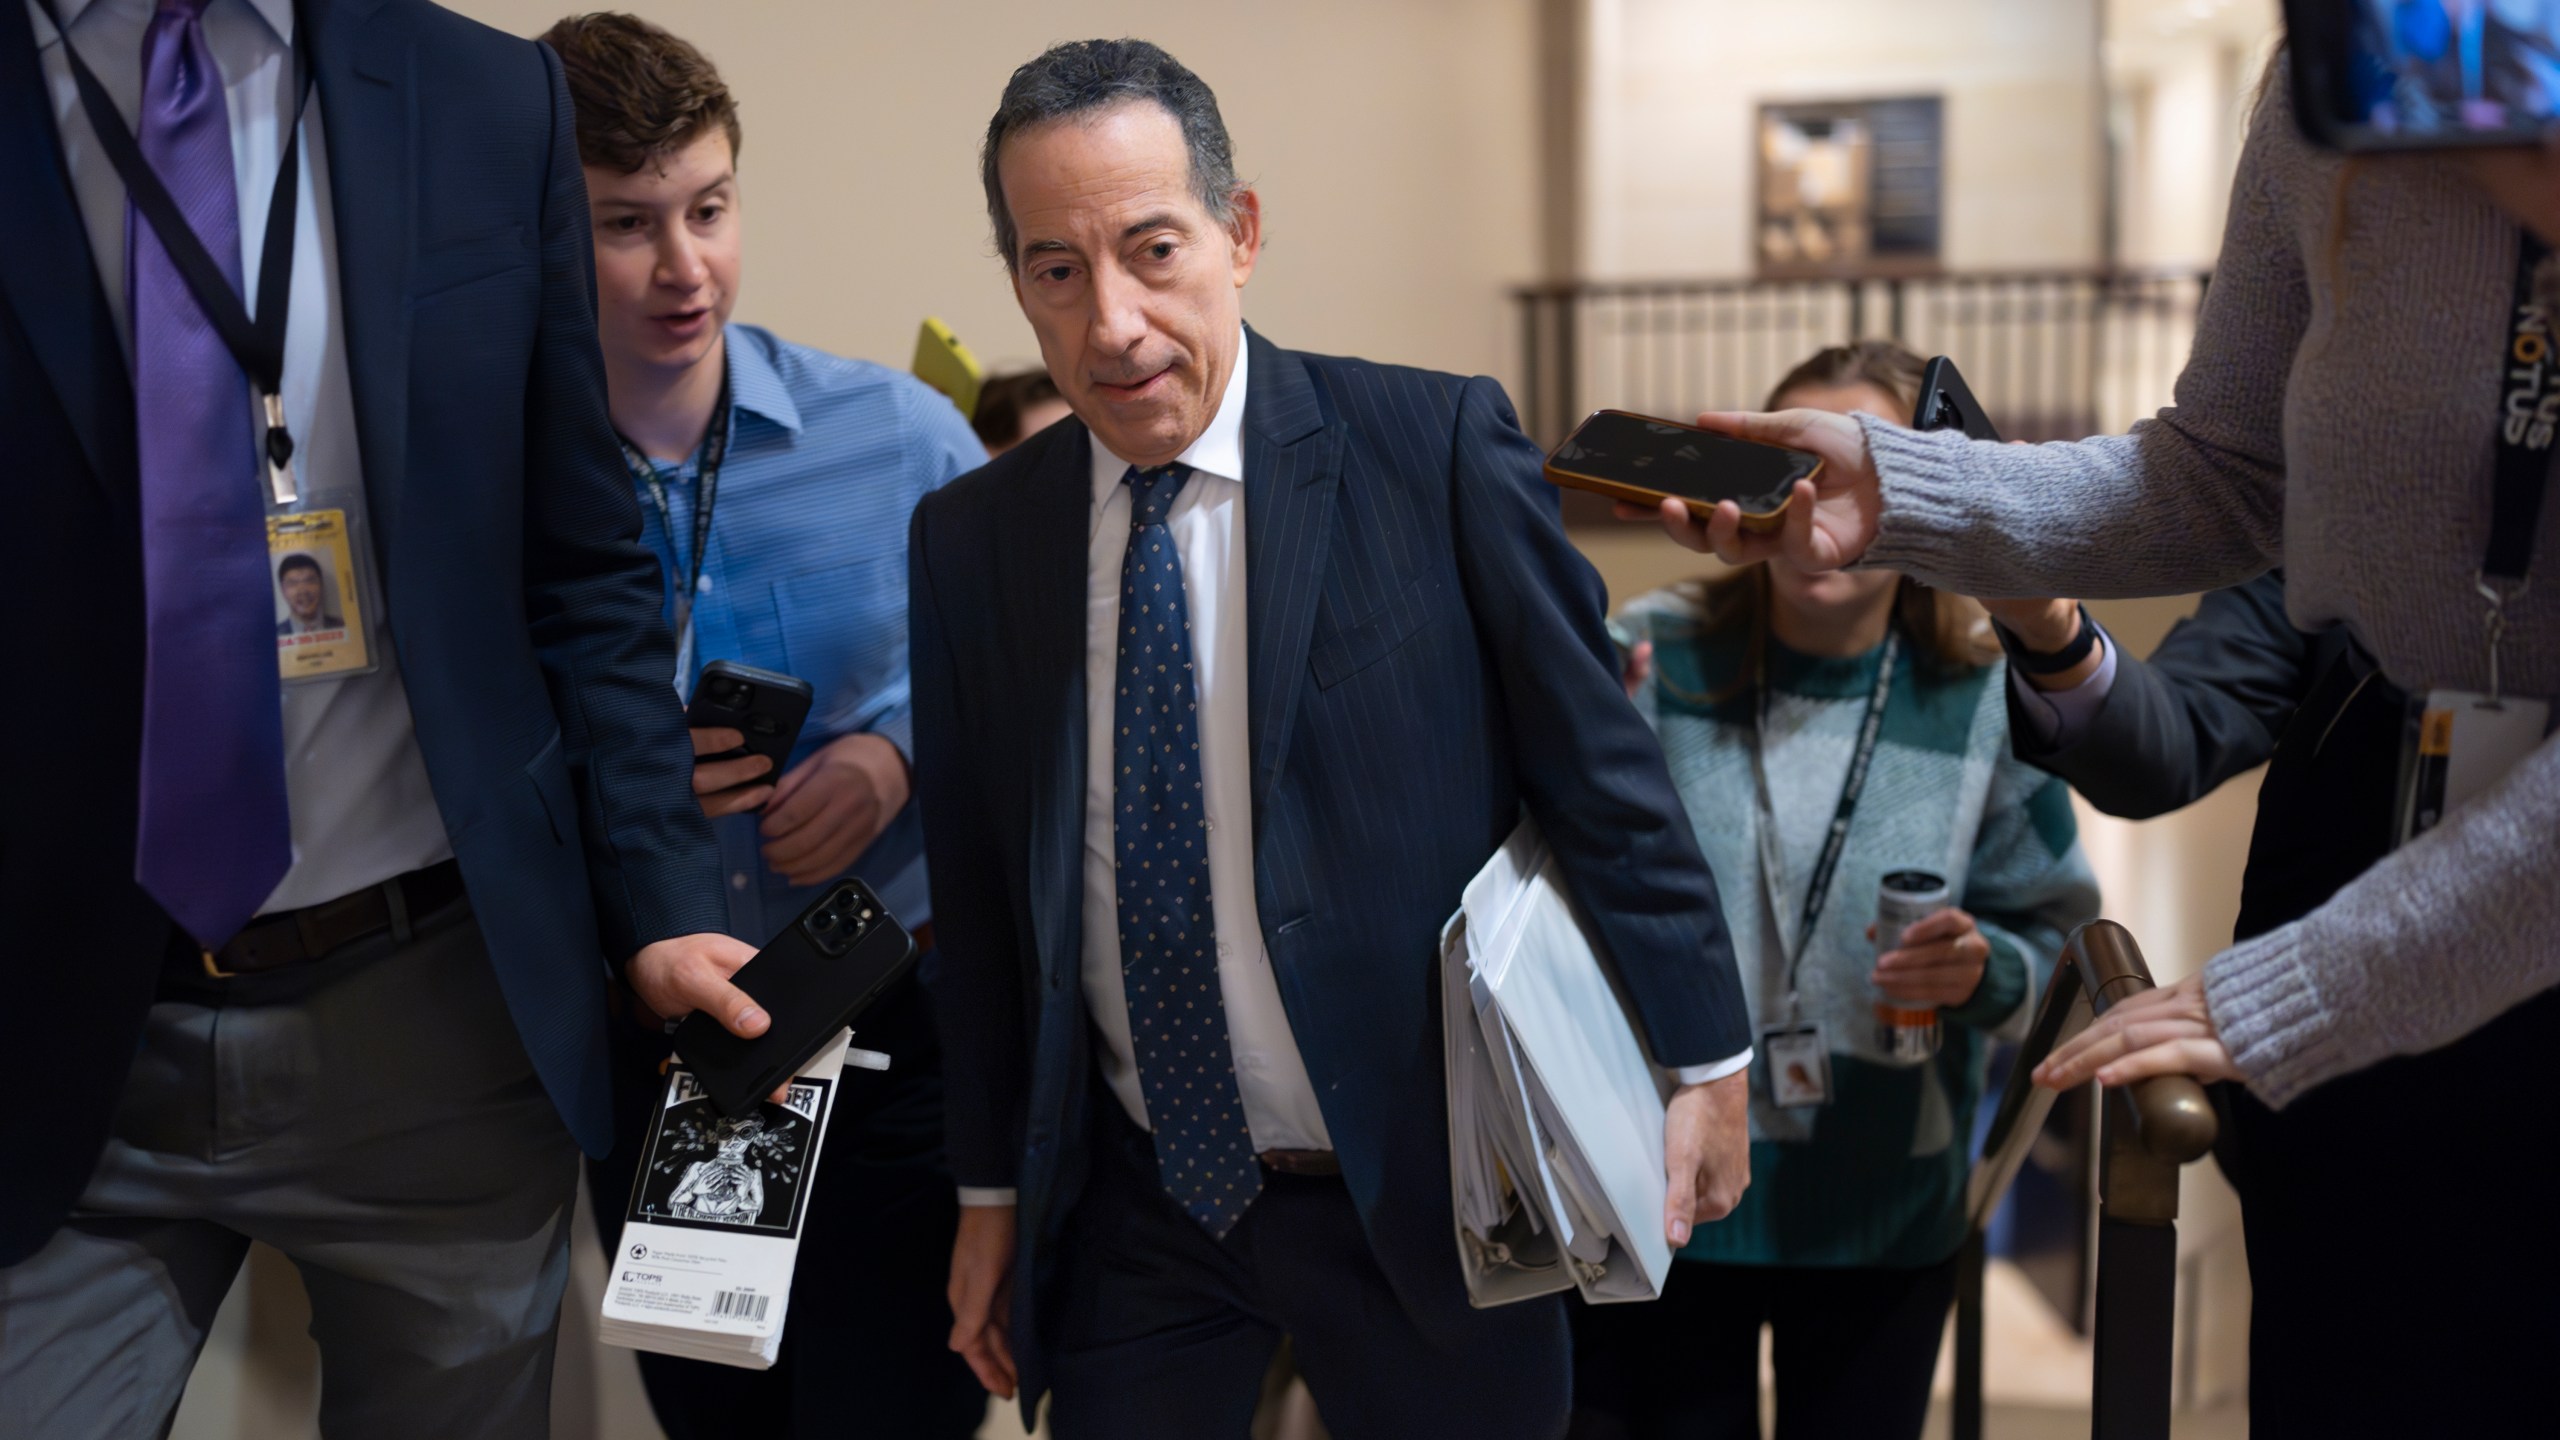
1799, 1064
2460, 743
319, 597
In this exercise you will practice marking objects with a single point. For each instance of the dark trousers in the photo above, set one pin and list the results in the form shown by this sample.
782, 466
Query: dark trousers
1854, 1349
866, 1348
373, 1116
1160, 1330
2399, 1220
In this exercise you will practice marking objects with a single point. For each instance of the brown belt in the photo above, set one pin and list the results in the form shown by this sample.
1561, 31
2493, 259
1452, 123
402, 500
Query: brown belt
1302, 1162
297, 937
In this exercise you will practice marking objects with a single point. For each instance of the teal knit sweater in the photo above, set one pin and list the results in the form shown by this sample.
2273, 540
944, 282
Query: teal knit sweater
1877, 1176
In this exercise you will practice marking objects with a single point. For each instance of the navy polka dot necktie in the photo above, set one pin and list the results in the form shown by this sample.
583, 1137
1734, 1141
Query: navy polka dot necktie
1168, 931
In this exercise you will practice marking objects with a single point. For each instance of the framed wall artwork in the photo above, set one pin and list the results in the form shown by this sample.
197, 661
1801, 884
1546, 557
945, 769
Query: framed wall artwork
1850, 187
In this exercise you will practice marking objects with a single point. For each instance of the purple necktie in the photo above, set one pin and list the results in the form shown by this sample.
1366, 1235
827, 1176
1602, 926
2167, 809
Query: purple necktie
215, 837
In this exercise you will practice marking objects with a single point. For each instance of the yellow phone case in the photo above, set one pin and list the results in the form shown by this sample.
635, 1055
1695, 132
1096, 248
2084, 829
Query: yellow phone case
945, 364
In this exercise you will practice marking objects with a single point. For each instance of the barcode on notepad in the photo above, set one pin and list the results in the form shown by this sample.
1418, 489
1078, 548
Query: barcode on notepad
740, 1305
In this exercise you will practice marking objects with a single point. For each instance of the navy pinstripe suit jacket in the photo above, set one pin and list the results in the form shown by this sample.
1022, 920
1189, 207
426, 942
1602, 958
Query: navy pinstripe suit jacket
527, 611
1426, 656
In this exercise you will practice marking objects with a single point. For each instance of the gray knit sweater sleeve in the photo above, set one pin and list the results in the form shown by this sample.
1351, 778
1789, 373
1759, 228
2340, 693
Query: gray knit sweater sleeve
2452, 930
2441, 937
2190, 500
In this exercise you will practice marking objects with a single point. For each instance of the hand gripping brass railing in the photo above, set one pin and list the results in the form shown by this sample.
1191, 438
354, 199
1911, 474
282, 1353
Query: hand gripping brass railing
2146, 1131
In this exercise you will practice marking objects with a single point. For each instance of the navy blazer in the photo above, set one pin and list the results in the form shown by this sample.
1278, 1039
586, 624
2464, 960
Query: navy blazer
527, 611
1426, 656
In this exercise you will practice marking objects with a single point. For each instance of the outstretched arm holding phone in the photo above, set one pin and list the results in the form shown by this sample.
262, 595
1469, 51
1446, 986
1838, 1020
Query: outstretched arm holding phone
2198, 498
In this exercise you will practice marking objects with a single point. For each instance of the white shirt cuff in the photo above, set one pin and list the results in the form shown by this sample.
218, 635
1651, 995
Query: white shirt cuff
1701, 1074
985, 1197
2060, 719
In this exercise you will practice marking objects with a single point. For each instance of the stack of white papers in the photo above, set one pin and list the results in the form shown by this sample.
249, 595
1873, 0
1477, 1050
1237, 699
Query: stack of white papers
1555, 1113
712, 1231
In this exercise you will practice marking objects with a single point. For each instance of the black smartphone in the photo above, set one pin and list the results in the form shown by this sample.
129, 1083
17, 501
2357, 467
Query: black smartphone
765, 706
1945, 403
2369, 75
813, 979
1639, 459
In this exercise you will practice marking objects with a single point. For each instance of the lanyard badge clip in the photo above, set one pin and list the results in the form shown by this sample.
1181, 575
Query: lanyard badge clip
279, 448
2496, 623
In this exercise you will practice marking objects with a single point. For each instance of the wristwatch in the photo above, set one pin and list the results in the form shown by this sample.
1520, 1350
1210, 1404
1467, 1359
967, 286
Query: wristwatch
2082, 642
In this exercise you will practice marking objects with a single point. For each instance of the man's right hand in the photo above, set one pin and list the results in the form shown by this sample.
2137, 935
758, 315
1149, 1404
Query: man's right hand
684, 973
678, 976
1830, 520
981, 1294
726, 787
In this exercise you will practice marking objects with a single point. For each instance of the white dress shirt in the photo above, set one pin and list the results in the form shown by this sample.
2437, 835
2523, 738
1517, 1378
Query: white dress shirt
1207, 521
354, 780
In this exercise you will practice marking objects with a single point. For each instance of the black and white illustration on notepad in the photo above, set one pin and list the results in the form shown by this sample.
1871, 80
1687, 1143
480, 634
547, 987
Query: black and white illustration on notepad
708, 1171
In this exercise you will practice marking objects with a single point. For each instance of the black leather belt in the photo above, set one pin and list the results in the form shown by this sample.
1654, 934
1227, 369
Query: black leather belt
297, 937
1302, 1162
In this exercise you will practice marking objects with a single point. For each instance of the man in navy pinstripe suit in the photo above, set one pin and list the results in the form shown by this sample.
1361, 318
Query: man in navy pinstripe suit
1224, 689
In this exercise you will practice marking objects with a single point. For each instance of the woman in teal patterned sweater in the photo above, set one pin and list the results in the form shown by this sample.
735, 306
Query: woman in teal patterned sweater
1845, 1242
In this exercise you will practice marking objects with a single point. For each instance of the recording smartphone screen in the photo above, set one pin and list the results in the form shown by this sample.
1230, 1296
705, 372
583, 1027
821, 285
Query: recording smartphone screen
2418, 74
1634, 452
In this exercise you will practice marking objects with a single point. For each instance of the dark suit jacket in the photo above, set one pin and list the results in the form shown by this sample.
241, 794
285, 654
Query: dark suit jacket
2207, 705
526, 609
1426, 657
2232, 687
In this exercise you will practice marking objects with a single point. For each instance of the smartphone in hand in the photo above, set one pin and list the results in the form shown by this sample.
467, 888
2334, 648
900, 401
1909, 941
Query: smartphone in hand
1947, 404
1641, 460
813, 979
765, 706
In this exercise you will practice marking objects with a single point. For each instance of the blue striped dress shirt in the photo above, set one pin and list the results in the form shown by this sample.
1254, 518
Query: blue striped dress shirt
806, 573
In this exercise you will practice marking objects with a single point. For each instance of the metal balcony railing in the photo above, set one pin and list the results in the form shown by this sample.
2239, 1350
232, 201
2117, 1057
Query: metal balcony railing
2056, 354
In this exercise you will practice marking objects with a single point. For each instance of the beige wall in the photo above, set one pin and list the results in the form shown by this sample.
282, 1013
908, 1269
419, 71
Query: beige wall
2181, 74
1396, 147
1402, 157
1394, 144
1672, 90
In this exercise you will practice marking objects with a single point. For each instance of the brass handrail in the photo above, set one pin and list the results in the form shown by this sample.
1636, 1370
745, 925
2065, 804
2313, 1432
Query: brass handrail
2100, 966
2147, 1131
2170, 1112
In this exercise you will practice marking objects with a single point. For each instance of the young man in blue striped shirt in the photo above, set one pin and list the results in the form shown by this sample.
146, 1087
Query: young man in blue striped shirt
789, 555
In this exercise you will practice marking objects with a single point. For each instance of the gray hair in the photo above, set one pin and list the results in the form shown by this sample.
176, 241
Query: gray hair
1082, 76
